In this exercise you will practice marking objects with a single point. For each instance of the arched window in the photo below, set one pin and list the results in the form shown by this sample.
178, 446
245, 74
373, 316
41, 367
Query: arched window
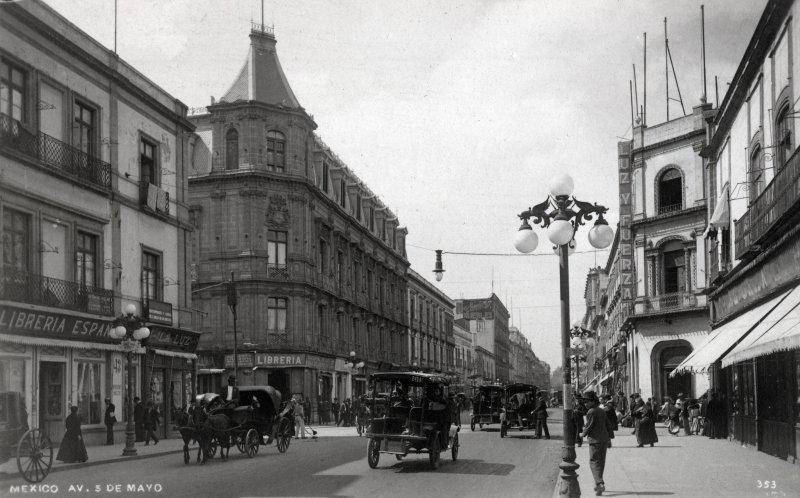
276, 151
232, 149
783, 137
670, 192
756, 174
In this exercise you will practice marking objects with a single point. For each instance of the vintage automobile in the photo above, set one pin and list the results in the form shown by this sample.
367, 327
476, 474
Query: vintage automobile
487, 405
519, 400
410, 413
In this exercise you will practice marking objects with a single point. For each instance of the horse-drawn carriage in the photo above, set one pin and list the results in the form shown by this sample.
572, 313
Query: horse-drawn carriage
248, 422
518, 403
31, 447
409, 413
487, 405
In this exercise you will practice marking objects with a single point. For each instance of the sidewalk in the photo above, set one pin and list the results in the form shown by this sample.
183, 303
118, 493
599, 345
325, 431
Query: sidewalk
99, 455
688, 466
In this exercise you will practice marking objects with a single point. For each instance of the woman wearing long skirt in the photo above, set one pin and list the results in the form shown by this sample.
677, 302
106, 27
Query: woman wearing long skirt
72, 448
645, 424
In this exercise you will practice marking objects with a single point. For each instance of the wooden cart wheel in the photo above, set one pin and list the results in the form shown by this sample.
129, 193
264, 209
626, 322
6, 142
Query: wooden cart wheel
241, 443
373, 452
34, 455
251, 442
284, 436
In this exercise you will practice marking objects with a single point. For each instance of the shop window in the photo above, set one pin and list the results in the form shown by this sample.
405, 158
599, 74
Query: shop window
670, 192
85, 259
90, 392
232, 150
12, 90
12, 375
276, 154
151, 276
16, 240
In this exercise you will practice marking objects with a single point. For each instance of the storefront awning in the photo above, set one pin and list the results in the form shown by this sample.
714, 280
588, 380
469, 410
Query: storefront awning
212, 371
42, 341
174, 354
779, 331
721, 217
723, 338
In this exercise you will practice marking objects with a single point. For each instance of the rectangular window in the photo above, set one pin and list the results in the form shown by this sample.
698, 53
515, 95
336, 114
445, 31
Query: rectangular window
340, 266
12, 377
371, 219
85, 259
90, 392
276, 314
382, 291
12, 90
151, 276
383, 230
83, 129
276, 248
358, 207
323, 256
411, 306
369, 284
147, 162
16, 240
394, 238
413, 348
325, 174
342, 193
276, 157
356, 272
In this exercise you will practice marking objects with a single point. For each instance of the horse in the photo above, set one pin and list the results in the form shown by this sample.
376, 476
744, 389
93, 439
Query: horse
189, 428
216, 426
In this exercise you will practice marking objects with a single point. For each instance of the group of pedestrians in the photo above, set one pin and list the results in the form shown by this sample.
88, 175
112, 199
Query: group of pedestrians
704, 416
341, 414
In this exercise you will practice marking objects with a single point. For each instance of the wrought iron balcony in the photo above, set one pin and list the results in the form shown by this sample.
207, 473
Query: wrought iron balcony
675, 301
671, 208
54, 153
778, 198
29, 288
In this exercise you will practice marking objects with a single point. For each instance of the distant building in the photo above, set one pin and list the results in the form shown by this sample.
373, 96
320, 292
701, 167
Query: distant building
488, 322
319, 261
431, 340
464, 355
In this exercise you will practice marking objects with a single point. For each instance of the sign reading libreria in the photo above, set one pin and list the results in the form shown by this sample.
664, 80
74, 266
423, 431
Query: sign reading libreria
22, 321
626, 281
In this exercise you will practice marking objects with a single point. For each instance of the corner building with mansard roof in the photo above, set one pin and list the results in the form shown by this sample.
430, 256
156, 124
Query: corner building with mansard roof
318, 260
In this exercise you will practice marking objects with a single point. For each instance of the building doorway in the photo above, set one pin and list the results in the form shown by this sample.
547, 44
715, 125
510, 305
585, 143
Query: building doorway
668, 360
52, 399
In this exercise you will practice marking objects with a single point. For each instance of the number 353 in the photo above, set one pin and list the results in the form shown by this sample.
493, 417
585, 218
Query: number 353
766, 484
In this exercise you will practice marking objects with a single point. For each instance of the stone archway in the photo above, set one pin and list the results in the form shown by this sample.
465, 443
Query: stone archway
665, 357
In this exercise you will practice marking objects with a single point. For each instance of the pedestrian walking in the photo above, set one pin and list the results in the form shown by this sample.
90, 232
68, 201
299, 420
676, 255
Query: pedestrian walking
109, 419
694, 416
138, 419
540, 413
597, 433
72, 449
684, 413
151, 422
645, 424
335, 407
608, 407
299, 418
578, 413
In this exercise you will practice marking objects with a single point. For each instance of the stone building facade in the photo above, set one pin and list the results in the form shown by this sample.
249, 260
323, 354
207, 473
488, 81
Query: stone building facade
488, 320
431, 340
318, 260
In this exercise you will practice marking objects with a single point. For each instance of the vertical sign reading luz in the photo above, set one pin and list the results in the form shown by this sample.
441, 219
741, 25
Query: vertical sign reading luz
626, 280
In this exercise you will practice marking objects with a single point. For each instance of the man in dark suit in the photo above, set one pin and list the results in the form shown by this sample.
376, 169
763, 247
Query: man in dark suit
540, 412
109, 419
138, 419
597, 434
231, 392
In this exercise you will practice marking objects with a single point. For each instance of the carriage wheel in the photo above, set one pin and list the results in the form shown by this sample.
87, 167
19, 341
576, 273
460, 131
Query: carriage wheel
251, 442
455, 448
434, 451
373, 452
212, 447
34, 455
241, 443
284, 436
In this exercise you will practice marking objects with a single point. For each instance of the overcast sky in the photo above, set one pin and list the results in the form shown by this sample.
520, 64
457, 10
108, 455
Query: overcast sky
456, 113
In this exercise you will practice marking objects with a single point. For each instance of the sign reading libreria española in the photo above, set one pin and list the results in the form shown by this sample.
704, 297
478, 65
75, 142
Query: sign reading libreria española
21, 321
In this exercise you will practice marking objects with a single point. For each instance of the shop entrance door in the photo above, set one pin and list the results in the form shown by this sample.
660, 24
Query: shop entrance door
52, 399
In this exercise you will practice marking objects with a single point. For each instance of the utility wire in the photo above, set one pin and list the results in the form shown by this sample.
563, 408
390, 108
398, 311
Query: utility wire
460, 253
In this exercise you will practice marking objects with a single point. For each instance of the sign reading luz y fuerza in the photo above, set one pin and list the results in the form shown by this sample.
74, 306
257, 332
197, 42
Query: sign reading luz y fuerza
22, 321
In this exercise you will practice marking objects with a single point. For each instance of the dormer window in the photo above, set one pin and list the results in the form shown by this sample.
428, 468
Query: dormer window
276, 151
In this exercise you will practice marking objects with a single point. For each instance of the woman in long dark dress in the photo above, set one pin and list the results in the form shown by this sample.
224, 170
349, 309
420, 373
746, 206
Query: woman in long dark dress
645, 424
715, 418
72, 448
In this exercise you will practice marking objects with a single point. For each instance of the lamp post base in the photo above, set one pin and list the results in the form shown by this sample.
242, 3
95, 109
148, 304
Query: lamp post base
130, 439
568, 484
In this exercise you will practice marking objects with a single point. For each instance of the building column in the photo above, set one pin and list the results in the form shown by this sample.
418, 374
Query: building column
687, 268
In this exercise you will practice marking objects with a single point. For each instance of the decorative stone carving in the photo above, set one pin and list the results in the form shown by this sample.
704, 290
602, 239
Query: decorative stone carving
278, 211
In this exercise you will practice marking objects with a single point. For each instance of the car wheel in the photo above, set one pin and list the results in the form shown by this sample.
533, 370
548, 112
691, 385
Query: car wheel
373, 452
434, 451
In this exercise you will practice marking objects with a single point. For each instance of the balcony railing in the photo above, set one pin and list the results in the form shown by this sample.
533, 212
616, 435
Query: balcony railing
777, 199
29, 288
54, 153
675, 301
671, 208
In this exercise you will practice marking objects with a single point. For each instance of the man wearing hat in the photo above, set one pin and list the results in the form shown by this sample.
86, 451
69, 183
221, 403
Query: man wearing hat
231, 392
597, 434
138, 419
109, 419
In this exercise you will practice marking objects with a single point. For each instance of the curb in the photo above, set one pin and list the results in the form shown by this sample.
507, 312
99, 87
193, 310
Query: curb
7, 476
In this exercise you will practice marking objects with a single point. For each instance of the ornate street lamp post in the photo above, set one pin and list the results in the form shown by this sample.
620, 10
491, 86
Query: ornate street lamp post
581, 340
130, 329
561, 215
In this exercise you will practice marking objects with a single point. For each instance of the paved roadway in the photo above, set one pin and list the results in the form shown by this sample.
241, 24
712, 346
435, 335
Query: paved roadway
334, 466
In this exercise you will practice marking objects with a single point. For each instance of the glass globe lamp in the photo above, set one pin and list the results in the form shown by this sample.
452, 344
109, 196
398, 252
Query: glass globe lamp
560, 232
601, 235
561, 185
130, 309
142, 333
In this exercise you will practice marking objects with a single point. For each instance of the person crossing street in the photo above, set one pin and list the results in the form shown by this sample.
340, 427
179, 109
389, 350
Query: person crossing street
597, 434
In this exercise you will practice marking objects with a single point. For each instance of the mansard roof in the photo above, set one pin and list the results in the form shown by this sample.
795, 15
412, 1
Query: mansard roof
261, 78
